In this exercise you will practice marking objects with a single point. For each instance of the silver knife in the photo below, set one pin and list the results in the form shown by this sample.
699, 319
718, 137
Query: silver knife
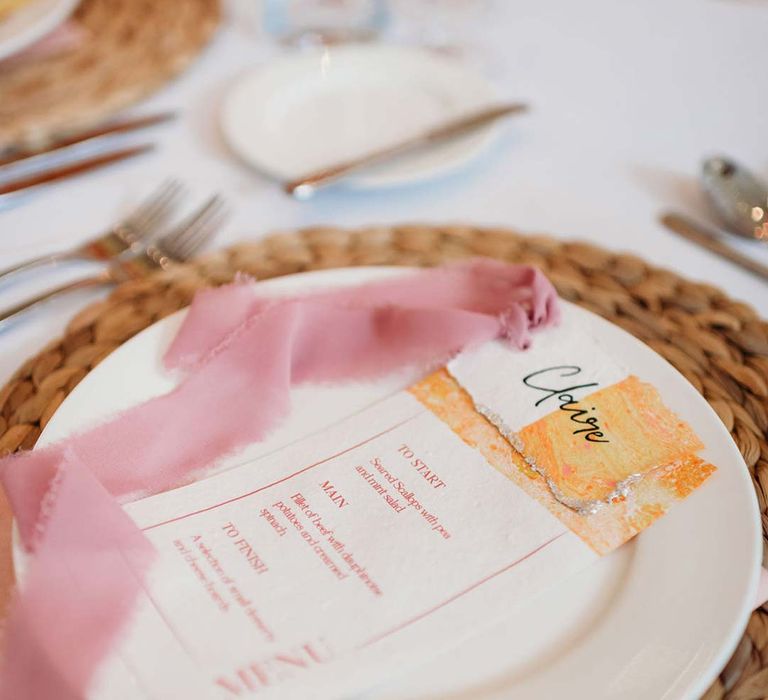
305, 185
62, 172
699, 234
14, 156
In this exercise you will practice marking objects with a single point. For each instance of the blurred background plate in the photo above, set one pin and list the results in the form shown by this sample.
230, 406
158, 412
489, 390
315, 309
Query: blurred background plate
305, 112
30, 22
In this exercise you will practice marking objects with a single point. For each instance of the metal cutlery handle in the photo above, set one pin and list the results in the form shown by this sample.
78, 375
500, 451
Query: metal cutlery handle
14, 311
697, 233
40, 261
305, 185
69, 169
117, 127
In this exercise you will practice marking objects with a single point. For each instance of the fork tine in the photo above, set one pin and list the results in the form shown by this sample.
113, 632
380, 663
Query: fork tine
159, 215
202, 235
157, 198
198, 235
166, 198
154, 209
179, 233
167, 191
146, 206
181, 241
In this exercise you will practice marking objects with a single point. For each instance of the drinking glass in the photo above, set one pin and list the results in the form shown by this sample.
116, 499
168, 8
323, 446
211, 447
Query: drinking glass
299, 22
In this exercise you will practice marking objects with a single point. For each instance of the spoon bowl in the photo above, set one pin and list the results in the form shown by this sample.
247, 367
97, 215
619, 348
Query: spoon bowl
738, 196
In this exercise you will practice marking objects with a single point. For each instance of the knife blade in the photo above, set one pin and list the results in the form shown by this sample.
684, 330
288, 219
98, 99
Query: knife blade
305, 185
71, 169
112, 128
701, 236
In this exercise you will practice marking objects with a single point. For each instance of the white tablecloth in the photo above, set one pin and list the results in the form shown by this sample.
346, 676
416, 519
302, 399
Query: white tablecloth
628, 98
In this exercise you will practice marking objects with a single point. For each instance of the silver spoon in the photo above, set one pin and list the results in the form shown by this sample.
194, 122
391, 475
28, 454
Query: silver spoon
740, 198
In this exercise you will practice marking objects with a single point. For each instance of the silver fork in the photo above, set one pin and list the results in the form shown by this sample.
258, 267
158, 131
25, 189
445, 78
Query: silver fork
126, 234
174, 247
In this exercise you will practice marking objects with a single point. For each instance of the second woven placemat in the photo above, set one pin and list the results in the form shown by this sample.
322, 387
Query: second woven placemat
719, 344
129, 48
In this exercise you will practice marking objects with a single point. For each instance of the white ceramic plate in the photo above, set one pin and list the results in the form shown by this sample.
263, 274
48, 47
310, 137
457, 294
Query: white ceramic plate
656, 619
305, 112
31, 22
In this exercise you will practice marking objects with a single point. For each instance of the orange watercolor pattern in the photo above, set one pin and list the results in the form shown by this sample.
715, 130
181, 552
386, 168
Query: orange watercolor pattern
618, 521
643, 434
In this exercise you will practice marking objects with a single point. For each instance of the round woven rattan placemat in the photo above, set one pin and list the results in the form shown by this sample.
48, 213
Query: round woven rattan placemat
129, 48
719, 344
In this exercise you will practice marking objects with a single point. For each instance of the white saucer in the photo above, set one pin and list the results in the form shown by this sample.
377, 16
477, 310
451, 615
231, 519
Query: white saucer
31, 22
305, 112
658, 618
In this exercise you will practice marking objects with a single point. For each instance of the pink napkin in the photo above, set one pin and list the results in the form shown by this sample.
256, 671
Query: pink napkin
242, 354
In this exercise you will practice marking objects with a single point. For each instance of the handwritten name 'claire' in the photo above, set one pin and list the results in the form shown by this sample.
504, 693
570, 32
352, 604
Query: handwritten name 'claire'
546, 382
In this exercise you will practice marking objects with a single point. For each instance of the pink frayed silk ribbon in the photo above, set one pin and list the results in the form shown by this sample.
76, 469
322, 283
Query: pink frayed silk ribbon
239, 355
